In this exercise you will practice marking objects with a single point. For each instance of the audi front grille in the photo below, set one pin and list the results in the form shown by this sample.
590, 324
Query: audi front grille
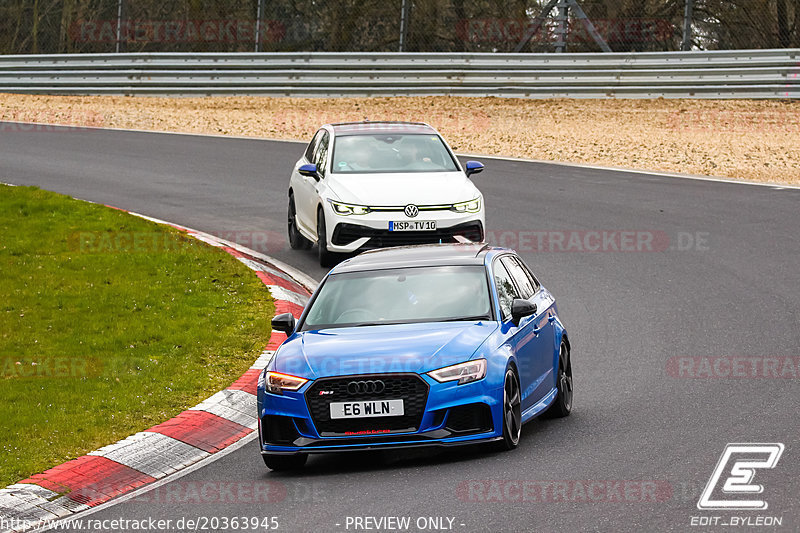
410, 388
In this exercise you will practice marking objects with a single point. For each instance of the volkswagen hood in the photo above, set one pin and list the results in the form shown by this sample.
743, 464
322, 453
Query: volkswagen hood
390, 190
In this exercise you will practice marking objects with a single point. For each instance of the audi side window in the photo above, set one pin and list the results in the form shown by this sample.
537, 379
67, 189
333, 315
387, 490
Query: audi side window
321, 157
517, 272
312, 146
534, 281
506, 291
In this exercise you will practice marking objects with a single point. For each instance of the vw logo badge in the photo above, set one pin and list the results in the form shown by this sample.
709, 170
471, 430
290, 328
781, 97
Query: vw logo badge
366, 387
411, 210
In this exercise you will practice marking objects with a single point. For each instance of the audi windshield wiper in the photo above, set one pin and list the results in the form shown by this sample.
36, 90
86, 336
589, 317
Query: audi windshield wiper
466, 318
359, 324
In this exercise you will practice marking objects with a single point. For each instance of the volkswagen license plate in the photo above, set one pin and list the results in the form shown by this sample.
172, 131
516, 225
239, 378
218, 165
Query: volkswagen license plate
413, 225
367, 409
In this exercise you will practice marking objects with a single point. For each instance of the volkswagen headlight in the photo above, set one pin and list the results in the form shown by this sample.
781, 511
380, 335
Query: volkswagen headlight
341, 208
473, 206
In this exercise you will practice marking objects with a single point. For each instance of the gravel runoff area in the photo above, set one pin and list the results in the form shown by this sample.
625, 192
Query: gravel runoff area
741, 139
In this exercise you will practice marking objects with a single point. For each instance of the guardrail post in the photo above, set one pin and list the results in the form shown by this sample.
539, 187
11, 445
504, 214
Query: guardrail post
562, 19
120, 11
259, 21
405, 8
686, 43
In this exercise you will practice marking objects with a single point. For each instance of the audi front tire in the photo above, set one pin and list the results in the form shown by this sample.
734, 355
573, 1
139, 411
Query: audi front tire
562, 405
512, 412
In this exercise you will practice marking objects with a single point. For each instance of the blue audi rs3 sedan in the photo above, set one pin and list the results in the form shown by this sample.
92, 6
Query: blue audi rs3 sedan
433, 345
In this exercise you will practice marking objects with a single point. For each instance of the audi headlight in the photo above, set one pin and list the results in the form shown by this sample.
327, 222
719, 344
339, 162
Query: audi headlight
473, 206
277, 382
343, 209
463, 372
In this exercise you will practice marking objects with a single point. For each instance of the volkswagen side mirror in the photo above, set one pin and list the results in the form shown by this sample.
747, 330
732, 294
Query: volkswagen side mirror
309, 170
473, 167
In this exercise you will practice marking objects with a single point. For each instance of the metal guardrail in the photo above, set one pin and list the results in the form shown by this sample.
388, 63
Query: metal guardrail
719, 74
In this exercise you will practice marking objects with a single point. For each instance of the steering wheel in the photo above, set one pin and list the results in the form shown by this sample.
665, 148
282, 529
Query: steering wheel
358, 314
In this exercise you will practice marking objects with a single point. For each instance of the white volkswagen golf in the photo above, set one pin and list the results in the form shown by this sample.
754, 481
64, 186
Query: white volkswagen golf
368, 185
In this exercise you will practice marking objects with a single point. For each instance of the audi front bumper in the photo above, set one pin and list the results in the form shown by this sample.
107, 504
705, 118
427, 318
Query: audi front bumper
436, 414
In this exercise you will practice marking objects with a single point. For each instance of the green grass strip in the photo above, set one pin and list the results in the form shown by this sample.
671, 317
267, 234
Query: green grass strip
110, 324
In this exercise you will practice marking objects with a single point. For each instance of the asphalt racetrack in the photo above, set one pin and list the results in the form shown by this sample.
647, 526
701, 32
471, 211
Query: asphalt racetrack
658, 332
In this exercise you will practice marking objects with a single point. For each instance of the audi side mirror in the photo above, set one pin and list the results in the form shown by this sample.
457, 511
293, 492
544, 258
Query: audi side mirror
473, 167
520, 309
284, 322
309, 170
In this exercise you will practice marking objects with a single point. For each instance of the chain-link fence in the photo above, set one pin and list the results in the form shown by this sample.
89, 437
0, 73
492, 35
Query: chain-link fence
82, 26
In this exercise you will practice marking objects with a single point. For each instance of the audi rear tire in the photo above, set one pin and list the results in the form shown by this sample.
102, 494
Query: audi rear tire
562, 405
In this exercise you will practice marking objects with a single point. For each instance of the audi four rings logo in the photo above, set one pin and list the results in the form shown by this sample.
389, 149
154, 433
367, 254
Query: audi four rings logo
411, 210
366, 387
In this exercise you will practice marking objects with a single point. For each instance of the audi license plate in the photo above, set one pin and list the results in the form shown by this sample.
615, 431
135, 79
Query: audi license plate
413, 225
367, 409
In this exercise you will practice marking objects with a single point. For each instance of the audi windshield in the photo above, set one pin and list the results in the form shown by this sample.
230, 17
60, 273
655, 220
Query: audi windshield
387, 153
400, 296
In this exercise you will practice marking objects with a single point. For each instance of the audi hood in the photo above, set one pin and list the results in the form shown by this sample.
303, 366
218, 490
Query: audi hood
415, 348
